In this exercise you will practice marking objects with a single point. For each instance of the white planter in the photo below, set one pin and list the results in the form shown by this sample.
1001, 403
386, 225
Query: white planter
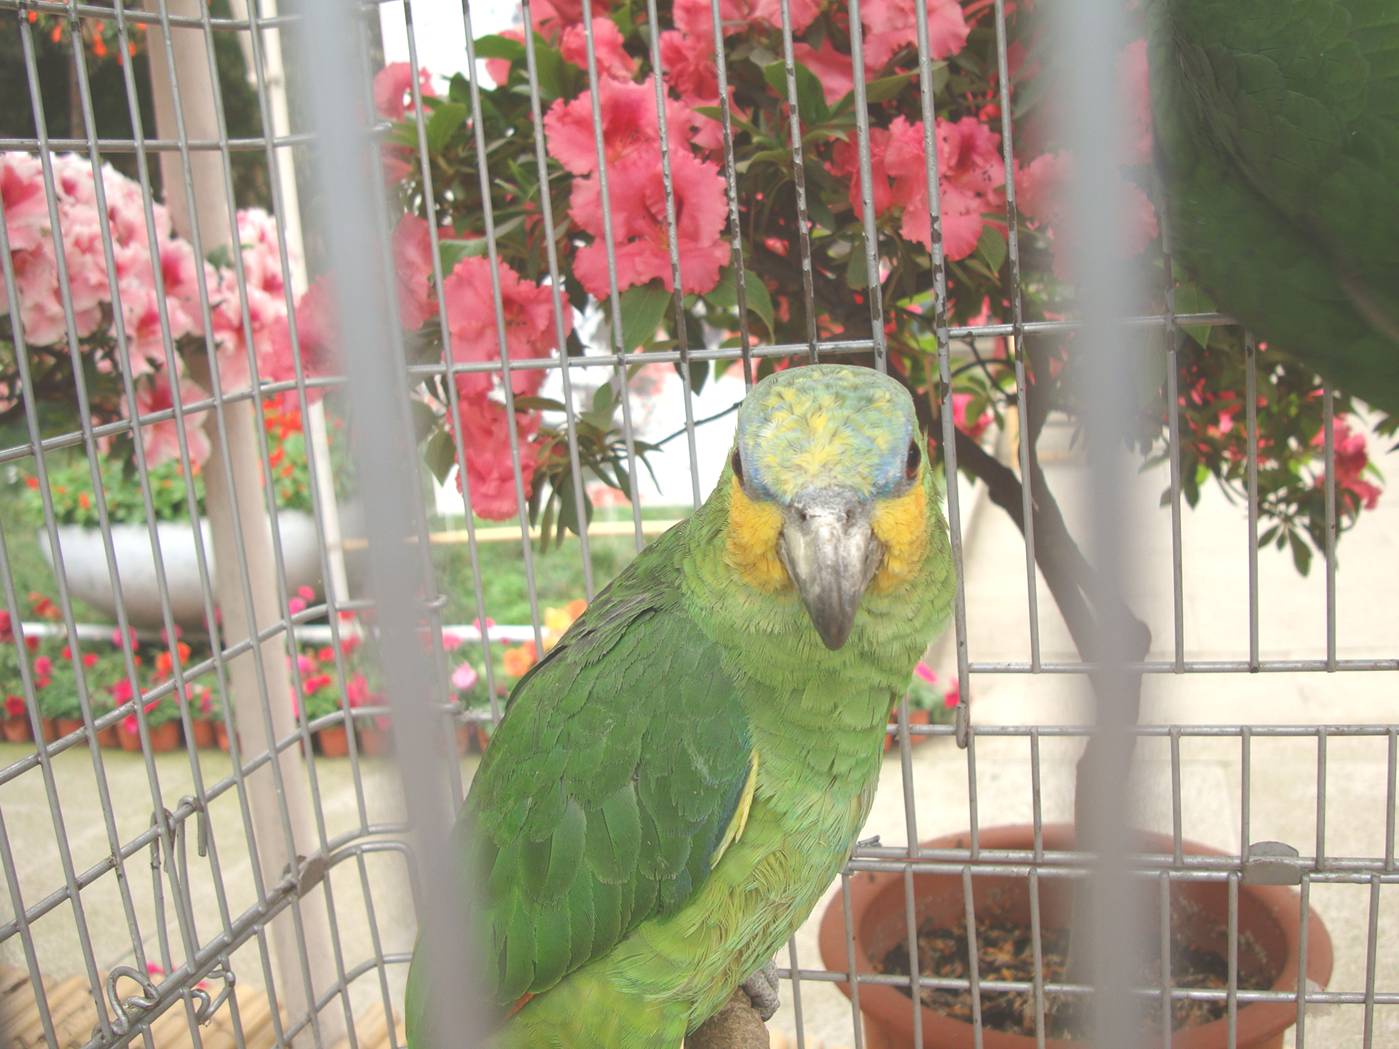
85, 566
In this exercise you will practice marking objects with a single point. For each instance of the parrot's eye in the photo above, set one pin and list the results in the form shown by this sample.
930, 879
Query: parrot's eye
737, 463
914, 460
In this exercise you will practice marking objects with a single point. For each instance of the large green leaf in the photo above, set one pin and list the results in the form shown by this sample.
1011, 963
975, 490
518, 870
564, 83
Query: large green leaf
643, 309
725, 294
1190, 299
811, 100
445, 121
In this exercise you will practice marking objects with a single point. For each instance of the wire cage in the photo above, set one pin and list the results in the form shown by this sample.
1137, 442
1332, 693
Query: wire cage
269, 893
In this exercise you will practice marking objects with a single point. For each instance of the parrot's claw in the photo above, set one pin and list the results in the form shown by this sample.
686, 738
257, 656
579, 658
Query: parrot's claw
867, 843
761, 989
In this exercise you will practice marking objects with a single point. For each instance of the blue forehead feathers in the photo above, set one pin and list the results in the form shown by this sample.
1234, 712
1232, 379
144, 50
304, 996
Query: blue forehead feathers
825, 425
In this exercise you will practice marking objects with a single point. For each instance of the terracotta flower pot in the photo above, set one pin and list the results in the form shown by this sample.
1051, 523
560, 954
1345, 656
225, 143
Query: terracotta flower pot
1268, 916
203, 732
108, 737
464, 734
221, 736
333, 741
374, 740
67, 726
16, 730
916, 716
50, 729
164, 737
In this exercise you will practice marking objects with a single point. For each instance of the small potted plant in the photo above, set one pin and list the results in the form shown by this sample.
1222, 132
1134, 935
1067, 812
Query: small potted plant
162, 726
14, 719
928, 704
319, 699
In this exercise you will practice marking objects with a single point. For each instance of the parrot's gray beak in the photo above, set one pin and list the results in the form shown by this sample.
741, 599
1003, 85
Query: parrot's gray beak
831, 553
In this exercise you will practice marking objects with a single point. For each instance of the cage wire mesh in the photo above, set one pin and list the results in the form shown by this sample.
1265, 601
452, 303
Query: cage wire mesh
272, 896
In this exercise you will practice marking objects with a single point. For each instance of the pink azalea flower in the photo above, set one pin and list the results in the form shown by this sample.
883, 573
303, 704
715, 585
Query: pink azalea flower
833, 68
26, 205
412, 256
970, 180
296, 604
161, 439
1039, 191
972, 428
123, 691
696, 18
1351, 459
498, 69
1132, 74
464, 677
551, 17
925, 672
640, 229
891, 25
485, 435
953, 695
612, 59
629, 126
450, 641
315, 330
393, 89
469, 301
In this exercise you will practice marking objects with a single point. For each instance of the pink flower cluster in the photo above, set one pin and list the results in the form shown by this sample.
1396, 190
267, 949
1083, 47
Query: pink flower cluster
151, 297
971, 179
1352, 460
468, 299
1039, 185
636, 196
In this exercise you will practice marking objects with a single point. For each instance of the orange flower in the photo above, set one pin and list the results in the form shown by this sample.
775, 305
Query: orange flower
84, 501
520, 659
575, 608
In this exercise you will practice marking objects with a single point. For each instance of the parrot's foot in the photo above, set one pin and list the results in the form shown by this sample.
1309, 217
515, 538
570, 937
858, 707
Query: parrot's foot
867, 843
761, 989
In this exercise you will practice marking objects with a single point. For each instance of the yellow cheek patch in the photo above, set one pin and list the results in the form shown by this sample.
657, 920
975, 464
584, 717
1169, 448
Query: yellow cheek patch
751, 548
902, 526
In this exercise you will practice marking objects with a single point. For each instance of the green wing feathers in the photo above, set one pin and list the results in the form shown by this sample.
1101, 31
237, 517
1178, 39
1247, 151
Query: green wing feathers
602, 799
1278, 125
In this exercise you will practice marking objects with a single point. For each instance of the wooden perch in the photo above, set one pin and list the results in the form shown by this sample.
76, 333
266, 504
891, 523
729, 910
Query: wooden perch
736, 1026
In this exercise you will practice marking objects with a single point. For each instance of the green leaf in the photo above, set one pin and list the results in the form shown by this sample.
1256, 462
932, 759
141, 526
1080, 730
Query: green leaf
440, 455
568, 511
643, 309
604, 406
549, 66
856, 273
538, 404
1190, 299
724, 296
453, 251
1301, 553
424, 420
495, 46
449, 118
992, 247
885, 88
811, 100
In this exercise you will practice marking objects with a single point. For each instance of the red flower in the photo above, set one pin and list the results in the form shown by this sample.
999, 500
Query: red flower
485, 434
393, 87
891, 25
1351, 460
469, 301
14, 706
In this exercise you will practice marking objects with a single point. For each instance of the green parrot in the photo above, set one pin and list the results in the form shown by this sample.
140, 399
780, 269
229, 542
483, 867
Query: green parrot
1277, 131
678, 780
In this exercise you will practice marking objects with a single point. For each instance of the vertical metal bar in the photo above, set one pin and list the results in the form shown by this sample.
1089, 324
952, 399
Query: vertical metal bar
911, 851
1321, 738
610, 246
678, 292
1036, 794
1037, 954
1232, 990
794, 115
1391, 787
506, 385
1251, 392
1245, 789
383, 435
721, 71
862, 133
1328, 410
1302, 937
973, 955
796, 993
1173, 431
1017, 341
1163, 879
1179, 852
557, 300
973, 812
855, 1014
1372, 936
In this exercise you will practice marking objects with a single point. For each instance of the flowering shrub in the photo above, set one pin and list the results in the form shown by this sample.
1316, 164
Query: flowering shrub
967, 136
70, 485
924, 693
122, 312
